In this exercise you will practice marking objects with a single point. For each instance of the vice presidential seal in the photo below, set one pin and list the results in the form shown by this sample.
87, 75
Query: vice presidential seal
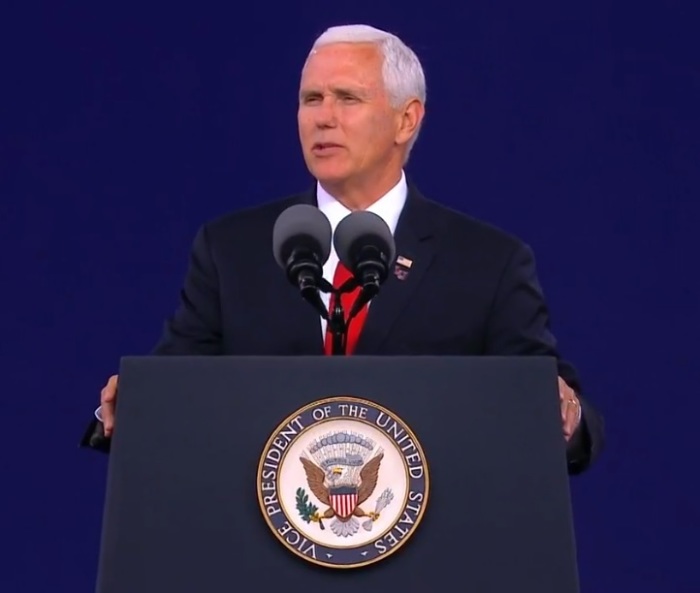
343, 482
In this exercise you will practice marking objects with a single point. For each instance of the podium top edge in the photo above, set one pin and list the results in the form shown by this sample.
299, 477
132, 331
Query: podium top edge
174, 359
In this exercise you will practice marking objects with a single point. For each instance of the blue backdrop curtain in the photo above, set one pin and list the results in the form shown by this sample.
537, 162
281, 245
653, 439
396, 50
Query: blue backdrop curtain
573, 125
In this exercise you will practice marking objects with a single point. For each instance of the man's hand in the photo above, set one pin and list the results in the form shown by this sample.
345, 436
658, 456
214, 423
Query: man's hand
570, 409
108, 401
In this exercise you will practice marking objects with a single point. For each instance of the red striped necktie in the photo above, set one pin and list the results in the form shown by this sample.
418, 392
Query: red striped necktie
347, 299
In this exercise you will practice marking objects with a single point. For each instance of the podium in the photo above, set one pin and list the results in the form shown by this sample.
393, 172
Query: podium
338, 474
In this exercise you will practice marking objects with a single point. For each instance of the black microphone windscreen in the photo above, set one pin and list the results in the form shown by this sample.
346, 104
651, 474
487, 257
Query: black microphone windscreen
359, 230
301, 226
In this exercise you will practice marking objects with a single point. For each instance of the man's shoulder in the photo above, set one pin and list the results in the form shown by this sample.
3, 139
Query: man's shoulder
251, 218
460, 229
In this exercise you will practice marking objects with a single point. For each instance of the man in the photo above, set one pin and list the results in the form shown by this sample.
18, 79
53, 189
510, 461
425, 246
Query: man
465, 288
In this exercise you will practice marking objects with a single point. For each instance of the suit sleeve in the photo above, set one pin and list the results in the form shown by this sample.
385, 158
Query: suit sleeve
519, 324
195, 326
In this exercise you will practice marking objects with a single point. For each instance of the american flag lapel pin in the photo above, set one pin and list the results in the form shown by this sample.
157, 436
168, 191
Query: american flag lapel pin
402, 267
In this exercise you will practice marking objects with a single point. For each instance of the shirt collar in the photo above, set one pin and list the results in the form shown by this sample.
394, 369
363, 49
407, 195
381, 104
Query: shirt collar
388, 207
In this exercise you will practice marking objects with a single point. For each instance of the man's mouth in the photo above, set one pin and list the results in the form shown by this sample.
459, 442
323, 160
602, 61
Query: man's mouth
324, 146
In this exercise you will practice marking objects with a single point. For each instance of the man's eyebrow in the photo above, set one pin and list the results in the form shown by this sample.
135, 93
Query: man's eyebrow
308, 92
337, 90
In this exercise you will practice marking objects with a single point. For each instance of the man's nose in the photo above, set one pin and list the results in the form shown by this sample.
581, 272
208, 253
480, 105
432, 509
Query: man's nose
326, 115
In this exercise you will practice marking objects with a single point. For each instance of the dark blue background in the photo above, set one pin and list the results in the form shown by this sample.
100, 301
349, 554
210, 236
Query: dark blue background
573, 125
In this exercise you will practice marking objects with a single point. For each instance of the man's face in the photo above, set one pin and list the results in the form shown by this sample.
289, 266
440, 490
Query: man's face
347, 128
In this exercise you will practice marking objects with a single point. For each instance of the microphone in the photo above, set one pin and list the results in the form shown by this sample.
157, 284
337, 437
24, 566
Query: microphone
301, 244
365, 245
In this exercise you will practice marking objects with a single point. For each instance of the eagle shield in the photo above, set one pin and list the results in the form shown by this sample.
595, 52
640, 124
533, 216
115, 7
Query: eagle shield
343, 501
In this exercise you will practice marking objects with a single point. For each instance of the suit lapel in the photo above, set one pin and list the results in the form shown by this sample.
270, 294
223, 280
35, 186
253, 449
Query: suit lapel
414, 239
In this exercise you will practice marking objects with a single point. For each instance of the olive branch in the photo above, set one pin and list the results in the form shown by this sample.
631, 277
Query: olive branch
307, 510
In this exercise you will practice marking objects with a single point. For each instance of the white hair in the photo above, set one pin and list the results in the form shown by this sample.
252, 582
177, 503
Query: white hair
402, 72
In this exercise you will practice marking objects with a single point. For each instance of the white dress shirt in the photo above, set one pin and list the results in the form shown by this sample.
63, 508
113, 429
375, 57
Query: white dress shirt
388, 207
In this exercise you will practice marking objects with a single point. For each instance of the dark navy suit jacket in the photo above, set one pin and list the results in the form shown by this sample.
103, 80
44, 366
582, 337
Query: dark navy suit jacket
471, 290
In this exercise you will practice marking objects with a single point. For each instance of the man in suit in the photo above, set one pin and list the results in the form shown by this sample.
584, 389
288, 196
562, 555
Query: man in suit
460, 287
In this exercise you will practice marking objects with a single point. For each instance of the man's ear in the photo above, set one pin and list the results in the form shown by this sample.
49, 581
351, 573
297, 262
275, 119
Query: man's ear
411, 117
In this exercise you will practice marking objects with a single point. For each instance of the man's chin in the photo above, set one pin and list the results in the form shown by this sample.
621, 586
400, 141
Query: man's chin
331, 174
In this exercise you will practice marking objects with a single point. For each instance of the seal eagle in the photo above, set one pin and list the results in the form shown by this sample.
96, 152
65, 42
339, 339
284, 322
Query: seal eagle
343, 491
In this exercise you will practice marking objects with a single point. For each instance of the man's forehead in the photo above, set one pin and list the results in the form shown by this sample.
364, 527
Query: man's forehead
337, 85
